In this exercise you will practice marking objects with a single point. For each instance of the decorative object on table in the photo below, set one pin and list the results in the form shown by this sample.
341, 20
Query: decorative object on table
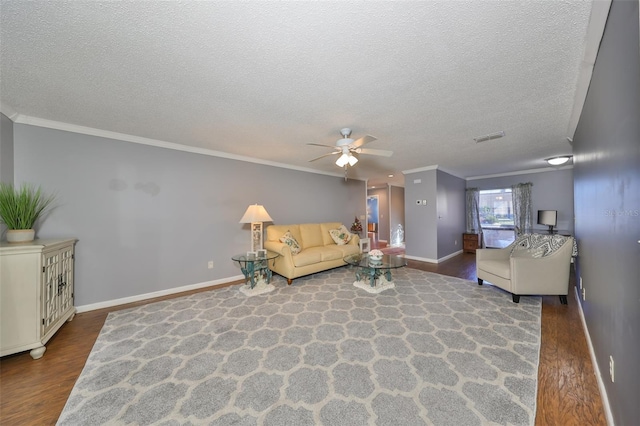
20, 208
375, 255
255, 215
356, 226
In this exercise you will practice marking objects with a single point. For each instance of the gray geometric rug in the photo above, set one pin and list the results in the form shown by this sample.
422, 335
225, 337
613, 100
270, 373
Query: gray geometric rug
434, 350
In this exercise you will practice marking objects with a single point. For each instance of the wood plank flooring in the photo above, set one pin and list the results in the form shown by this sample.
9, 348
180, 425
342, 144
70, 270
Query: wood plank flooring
34, 392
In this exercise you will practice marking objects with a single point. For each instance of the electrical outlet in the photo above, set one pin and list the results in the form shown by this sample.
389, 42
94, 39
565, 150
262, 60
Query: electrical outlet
584, 296
611, 369
424, 202
455, 242
210, 264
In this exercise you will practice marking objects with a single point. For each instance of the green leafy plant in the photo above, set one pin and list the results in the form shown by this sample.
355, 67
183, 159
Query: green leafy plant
21, 207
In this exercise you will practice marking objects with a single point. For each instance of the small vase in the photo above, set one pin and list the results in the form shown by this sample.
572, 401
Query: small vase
20, 235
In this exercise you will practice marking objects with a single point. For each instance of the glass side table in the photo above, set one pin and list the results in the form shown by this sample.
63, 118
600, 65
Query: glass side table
255, 268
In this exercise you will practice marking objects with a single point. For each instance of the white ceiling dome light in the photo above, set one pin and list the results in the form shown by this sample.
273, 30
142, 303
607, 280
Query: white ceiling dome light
559, 160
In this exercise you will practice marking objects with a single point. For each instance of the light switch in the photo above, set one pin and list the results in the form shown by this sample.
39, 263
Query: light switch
424, 202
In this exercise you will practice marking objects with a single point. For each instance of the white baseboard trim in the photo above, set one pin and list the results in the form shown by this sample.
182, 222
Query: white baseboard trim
428, 260
139, 297
421, 259
594, 361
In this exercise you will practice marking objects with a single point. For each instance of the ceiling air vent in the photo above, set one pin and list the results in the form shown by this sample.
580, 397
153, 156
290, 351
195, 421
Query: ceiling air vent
489, 137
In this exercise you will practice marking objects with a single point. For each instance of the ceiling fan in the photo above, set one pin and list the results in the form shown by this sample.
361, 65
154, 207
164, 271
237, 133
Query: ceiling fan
348, 147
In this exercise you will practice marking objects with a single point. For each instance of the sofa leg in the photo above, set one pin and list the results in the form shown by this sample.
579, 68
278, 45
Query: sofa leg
516, 298
289, 281
563, 299
480, 281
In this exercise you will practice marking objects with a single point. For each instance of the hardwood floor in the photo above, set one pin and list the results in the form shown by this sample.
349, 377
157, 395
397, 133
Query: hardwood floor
34, 392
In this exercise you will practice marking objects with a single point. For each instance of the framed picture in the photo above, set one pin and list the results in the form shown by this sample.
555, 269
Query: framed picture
262, 253
251, 255
365, 245
256, 236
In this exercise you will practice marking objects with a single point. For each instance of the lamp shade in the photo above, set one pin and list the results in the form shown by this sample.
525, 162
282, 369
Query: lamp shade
256, 213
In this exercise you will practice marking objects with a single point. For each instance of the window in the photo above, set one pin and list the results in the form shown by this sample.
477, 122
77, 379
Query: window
496, 217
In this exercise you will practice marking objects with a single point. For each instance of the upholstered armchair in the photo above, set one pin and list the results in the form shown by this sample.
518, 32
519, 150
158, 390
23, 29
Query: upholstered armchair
525, 269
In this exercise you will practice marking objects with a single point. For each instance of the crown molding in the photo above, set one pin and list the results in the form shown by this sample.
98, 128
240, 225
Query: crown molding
8, 111
420, 169
90, 131
522, 172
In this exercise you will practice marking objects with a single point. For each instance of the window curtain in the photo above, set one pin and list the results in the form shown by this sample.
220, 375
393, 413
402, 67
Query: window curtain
473, 210
522, 215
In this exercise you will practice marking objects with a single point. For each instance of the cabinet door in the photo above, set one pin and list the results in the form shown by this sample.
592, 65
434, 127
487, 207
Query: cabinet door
50, 298
57, 286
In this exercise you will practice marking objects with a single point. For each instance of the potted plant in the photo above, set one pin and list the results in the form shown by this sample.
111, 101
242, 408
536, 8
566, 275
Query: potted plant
20, 208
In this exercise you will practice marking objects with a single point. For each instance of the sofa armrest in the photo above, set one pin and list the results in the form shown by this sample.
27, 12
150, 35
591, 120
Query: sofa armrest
355, 240
541, 275
277, 247
493, 254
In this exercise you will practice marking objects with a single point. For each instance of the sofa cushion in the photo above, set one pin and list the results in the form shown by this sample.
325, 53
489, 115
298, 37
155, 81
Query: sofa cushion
274, 232
289, 240
341, 236
311, 235
308, 256
346, 249
500, 268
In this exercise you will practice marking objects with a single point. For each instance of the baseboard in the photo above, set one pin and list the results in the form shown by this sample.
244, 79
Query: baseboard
428, 260
594, 361
146, 296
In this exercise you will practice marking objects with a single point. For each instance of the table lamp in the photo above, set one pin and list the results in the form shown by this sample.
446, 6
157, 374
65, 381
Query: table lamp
255, 215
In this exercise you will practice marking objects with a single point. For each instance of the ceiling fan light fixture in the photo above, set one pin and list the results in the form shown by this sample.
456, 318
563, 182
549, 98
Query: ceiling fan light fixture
342, 160
352, 160
559, 160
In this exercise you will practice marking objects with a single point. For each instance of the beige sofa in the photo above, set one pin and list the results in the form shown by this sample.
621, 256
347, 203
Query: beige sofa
518, 270
319, 250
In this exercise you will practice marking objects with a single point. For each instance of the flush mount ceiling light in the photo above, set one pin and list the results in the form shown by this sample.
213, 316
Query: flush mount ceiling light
489, 137
559, 160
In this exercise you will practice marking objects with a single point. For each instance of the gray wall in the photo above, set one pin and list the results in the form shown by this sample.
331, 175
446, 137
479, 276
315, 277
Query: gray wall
607, 204
451, 213
6, 149
149, 219
396, 208
552, 190
421, 233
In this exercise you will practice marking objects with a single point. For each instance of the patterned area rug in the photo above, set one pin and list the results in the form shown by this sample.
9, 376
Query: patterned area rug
434, 350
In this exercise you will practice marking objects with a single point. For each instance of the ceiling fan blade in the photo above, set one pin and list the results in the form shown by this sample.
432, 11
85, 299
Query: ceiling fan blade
380, 152
326, 155
319, 144
363, 140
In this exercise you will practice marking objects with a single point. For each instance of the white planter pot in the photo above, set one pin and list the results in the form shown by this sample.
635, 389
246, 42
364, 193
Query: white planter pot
20, 235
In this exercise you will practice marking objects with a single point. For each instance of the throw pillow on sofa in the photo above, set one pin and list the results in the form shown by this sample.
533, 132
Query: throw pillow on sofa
341, 235
288, 239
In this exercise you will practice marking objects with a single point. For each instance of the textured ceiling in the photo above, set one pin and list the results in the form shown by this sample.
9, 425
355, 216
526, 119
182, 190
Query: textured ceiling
262, 79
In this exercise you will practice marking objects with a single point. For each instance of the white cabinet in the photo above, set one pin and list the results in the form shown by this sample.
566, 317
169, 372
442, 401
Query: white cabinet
36, 293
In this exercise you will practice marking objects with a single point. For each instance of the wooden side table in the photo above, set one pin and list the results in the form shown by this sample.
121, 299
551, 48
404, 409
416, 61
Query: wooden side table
471, 242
